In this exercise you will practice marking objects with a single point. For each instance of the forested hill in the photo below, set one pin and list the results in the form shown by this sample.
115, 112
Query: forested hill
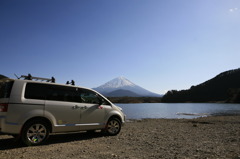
225, 87
2, 76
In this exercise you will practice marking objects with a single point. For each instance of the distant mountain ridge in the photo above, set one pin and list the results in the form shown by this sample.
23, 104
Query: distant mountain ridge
120, 87
225, 87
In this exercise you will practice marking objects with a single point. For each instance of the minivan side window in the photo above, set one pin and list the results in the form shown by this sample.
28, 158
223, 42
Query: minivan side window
63, 93
5, 88
35, 91
88, 96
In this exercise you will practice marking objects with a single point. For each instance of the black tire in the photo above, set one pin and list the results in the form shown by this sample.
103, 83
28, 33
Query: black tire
113, 127
35, 133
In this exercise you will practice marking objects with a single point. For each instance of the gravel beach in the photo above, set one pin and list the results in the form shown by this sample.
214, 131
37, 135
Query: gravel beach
208, 137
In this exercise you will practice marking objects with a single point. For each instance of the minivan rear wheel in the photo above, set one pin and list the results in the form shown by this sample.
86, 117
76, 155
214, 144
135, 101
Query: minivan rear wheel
35, 133
113, 127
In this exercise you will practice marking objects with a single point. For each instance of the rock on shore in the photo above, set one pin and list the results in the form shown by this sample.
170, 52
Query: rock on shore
210, 137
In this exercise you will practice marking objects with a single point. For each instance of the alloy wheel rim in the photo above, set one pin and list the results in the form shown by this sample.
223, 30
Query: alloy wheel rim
36, 133
113, 127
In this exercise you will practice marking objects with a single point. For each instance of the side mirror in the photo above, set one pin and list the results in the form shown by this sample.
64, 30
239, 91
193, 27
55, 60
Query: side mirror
101, 101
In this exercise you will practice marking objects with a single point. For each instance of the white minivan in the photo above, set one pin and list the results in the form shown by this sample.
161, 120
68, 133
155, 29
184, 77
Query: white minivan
30, 110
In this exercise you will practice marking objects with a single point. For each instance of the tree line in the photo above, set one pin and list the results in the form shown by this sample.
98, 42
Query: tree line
135, 99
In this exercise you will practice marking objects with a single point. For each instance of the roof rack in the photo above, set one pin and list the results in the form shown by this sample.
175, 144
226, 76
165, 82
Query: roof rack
30, 77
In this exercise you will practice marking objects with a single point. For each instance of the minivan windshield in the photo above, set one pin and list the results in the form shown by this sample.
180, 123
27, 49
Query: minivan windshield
5, 88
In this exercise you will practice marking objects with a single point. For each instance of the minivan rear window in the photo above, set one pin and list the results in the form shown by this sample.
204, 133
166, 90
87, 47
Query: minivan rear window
5, 88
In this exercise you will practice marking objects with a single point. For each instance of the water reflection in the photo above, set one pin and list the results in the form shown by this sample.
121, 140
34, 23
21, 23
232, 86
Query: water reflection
178, 110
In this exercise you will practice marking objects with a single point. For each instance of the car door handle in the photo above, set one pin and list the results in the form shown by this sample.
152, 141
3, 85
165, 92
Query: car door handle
84, 107
76, 107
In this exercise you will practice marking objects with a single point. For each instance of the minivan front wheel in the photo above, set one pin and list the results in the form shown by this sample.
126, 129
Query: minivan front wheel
113, 127
35, 133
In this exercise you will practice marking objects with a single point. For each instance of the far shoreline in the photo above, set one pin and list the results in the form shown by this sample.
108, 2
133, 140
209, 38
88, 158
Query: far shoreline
132, 100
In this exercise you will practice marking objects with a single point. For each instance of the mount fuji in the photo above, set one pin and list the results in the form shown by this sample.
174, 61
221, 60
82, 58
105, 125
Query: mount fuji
120, 87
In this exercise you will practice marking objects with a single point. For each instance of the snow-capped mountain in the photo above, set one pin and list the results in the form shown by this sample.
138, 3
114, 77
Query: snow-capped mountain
120, 84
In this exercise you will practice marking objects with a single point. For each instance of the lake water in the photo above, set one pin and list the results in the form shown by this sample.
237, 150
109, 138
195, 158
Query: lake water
178, 110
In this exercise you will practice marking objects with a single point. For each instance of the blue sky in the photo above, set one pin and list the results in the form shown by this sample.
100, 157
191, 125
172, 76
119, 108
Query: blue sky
157, 44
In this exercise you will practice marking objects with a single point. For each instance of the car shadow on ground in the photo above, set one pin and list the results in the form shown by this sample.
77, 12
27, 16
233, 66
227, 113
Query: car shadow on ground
9, 142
